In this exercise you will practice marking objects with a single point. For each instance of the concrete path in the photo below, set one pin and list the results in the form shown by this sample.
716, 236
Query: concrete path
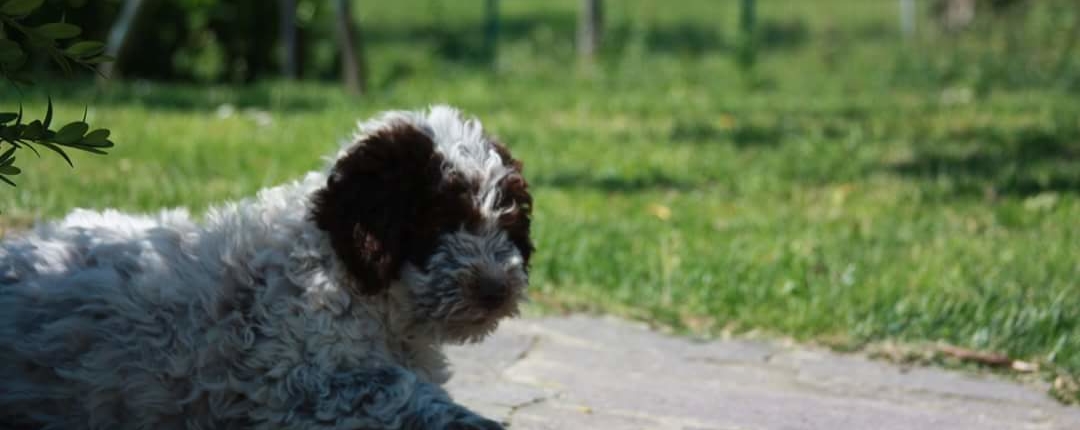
599, 373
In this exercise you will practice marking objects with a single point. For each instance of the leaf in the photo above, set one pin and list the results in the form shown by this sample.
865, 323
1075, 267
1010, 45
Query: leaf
7, 116
98, 59
60, 60
71, 133
2, 178
10, 134
86, 48
9, 170
57, 150
58, 30
19, 7
8, 156
11, 55
98, 138
90, 149
33, 131
48, 113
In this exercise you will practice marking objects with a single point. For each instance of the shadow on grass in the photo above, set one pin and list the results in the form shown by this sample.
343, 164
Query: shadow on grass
742, 135
464, 41
192, 97
614, 184
1021, 163
291, 97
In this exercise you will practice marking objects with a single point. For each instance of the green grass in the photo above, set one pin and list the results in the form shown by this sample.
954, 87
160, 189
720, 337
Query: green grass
842, 192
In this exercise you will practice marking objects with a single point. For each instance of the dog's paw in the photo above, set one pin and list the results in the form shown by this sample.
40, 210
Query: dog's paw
473, 422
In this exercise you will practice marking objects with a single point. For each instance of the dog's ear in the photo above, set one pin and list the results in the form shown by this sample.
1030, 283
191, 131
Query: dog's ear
514, 193
373, 198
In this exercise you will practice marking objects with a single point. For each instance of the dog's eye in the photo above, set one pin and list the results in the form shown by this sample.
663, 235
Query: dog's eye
503, 255
508, 219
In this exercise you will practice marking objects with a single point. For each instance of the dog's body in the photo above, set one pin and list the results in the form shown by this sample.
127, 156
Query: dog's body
317, 304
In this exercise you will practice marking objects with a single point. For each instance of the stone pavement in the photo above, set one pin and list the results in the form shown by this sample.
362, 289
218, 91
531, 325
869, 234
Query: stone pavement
600, 373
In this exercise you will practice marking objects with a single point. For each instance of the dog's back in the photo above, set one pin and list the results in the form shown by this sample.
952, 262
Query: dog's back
75, 311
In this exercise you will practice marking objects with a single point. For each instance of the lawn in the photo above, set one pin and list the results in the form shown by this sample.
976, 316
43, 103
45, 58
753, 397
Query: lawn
851, 189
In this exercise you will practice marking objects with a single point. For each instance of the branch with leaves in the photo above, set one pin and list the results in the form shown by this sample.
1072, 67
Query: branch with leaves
15, 132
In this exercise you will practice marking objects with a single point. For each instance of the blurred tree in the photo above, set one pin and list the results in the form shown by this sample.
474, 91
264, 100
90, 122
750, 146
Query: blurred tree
491, 27
747, 51
1061, 69
15, 131
120, 35
590, 28
907, 18
252, 56
290, 67
203, 40
353, 65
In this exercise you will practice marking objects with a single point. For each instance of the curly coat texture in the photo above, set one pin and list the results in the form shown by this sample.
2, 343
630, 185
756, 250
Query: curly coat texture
318, 304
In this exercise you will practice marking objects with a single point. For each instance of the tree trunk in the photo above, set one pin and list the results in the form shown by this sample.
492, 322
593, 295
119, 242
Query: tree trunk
291, 67
353, 66
1066, 57
590, 28
907, 18
491, 27
747, 55
120, 36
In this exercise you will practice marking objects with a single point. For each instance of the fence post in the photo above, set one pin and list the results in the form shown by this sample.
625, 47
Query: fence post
491, 27
747, 55
353, 66
907, 18
290, 68
590, 28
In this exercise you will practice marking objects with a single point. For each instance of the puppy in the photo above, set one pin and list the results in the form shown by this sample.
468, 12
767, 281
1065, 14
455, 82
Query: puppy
318, 304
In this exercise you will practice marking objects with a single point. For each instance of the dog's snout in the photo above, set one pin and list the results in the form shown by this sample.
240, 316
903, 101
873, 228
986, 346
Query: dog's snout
489, 292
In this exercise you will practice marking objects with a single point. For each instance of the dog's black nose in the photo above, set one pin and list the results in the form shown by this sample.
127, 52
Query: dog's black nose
489, 293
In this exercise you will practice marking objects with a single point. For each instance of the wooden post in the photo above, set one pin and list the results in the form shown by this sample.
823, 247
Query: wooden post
353, 66
491, 27
590, 28
120, 36
747, 44
291, 67
907, 18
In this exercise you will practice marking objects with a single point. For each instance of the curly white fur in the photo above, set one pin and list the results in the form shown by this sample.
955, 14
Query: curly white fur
243, 319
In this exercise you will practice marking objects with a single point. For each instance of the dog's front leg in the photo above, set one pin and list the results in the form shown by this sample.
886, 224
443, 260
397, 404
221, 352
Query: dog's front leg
428, 406
387, 397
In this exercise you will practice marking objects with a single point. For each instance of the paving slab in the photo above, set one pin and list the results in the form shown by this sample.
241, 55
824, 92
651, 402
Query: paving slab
583, 372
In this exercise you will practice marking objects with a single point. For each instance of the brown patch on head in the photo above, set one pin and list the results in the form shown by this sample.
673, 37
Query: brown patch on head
514, 192
387, 201
504, 155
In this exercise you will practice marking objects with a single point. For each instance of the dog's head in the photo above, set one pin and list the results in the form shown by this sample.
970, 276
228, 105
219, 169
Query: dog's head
428, 203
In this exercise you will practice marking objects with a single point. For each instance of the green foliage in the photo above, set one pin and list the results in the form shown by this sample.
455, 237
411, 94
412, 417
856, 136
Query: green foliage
1011, 44
207, 41
15, 132
747, 50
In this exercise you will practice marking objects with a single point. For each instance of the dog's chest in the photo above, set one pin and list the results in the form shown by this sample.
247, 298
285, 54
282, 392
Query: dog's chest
425, 360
